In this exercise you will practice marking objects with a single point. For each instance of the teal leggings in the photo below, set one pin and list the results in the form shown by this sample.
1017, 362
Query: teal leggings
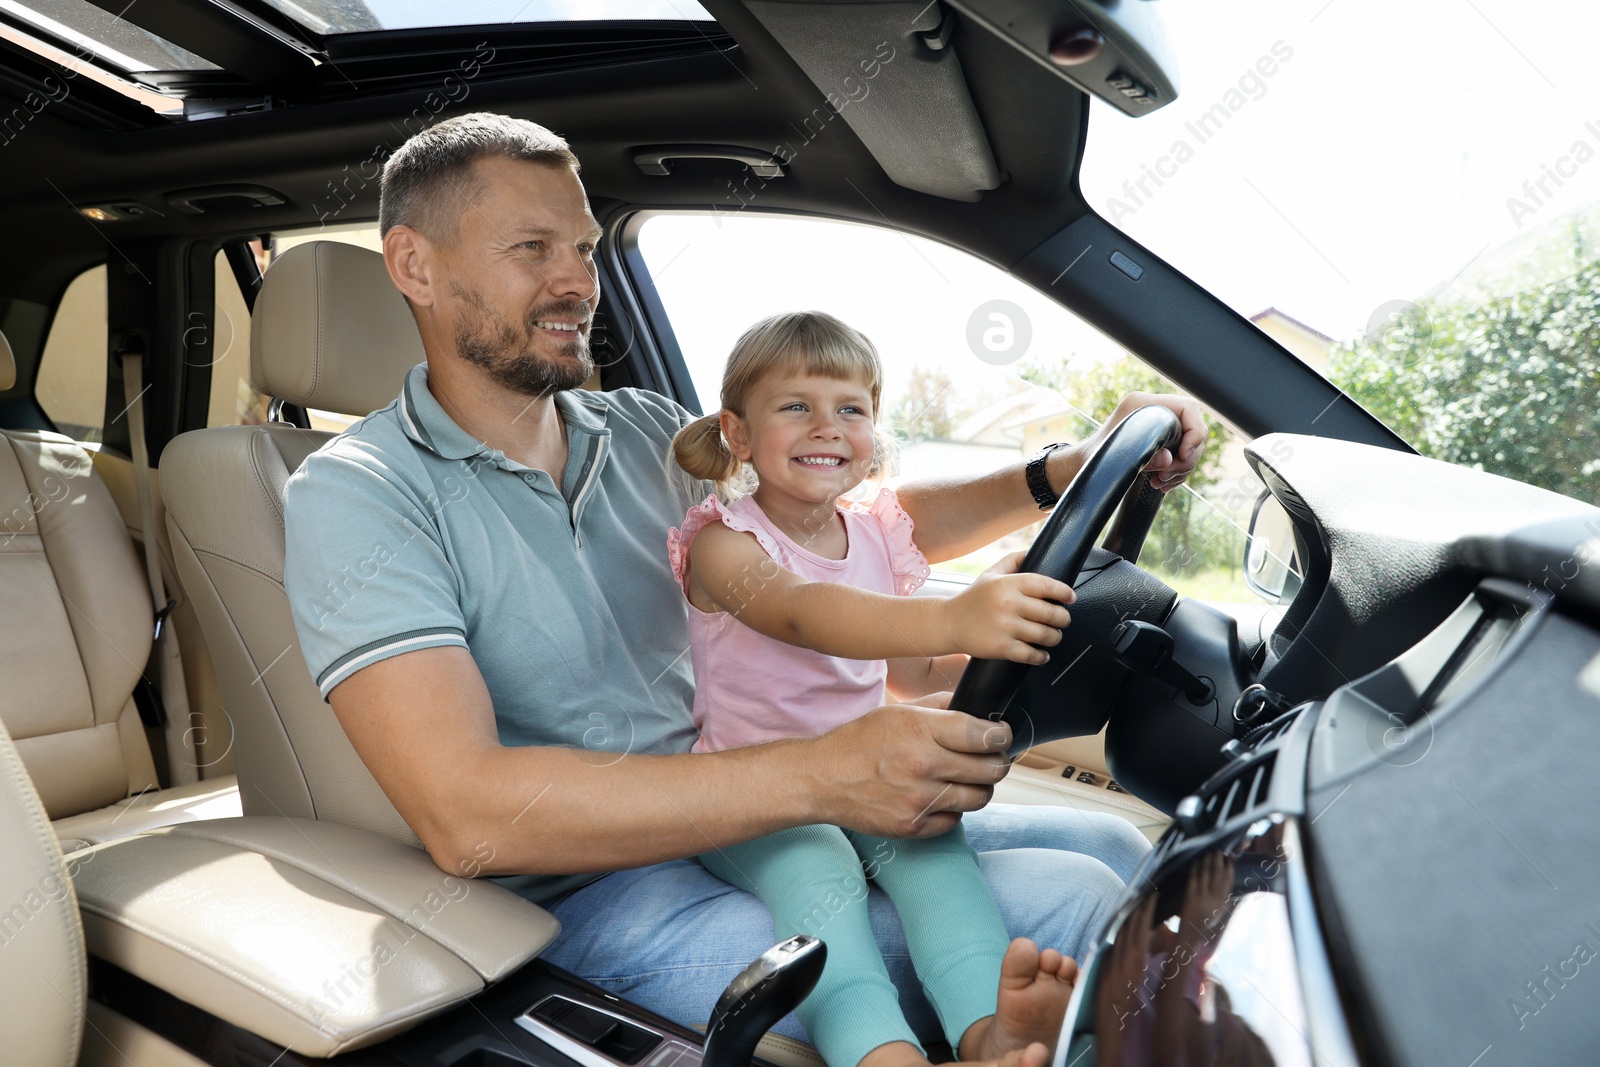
813, 879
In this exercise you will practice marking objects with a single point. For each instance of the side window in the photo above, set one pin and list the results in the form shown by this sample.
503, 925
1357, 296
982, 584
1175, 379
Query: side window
234, 401
71, 386
980, 369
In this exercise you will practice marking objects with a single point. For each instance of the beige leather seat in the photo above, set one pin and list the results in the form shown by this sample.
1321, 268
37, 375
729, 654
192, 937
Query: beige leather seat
43, 979
245, 918
77, 636
329, 331
44, 1007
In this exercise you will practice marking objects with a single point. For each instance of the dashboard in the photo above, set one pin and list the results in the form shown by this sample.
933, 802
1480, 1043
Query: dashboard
1402, 867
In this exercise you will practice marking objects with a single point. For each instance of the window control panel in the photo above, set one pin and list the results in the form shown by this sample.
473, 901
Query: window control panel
599, 1037
1072, 773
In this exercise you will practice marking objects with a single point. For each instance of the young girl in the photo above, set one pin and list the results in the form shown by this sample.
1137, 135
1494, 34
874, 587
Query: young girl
799, 597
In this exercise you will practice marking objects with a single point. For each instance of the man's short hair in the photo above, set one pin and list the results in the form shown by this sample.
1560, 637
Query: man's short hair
429, 182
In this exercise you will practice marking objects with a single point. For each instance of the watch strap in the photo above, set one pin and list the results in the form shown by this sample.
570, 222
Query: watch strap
1038, 481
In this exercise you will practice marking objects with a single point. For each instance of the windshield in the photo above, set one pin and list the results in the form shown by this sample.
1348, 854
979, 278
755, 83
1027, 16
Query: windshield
1406, 196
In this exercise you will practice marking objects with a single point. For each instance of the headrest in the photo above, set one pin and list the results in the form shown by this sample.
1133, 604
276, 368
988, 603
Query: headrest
330, 330
8, 365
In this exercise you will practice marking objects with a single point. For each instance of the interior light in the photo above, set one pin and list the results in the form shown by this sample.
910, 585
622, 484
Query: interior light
119, 211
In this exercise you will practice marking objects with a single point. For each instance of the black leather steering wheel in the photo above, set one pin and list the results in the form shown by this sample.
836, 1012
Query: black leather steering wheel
1112, 476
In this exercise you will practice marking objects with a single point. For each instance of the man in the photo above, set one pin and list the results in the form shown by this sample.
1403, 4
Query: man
511, 665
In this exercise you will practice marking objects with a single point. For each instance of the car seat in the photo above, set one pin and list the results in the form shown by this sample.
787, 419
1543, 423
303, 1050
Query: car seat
329, 331
79, 638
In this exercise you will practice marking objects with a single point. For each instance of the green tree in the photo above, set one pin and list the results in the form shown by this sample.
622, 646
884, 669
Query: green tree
930, 407
1187, 538
1508, 384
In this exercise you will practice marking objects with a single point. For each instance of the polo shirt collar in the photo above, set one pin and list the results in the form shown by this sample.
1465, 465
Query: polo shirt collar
426, 422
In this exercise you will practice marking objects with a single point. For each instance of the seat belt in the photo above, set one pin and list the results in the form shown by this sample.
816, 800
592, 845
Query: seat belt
171, 691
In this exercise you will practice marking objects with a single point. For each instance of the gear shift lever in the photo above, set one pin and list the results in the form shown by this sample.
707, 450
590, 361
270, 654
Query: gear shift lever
764, 992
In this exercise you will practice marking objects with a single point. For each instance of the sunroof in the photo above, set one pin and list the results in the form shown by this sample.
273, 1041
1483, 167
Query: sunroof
94, 32
360, 16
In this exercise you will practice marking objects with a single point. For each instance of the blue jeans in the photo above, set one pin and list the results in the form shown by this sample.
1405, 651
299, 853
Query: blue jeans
673, 935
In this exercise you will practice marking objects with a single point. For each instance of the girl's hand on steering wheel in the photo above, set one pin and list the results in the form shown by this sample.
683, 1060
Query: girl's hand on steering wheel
1004, 615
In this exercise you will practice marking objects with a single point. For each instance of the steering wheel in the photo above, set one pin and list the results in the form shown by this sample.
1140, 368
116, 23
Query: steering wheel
1110, 477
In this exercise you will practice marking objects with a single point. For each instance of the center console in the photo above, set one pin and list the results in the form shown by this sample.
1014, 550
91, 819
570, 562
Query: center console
262, 940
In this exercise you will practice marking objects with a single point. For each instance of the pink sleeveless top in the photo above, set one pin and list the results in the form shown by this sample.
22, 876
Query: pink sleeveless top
751, 688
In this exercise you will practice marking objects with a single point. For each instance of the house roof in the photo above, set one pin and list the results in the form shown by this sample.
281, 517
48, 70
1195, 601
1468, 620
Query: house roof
1272, 312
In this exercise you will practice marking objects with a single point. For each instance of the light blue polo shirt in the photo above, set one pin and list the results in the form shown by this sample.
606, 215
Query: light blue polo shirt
405, 533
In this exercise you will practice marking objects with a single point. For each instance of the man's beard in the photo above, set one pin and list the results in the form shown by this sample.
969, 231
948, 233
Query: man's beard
486, 339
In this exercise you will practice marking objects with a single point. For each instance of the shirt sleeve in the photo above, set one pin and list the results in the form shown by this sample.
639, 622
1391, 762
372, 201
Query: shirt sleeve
910, 566
660, 418
666, 412
364, 568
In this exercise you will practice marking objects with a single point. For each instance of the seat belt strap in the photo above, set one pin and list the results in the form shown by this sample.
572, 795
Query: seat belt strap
171, 697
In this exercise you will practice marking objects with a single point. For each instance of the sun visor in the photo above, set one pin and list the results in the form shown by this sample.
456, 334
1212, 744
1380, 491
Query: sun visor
890, 71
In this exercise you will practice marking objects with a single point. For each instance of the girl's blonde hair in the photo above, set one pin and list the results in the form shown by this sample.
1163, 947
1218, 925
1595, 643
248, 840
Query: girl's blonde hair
797, 342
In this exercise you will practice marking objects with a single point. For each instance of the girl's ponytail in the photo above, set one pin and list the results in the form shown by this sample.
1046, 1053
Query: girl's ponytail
702, 453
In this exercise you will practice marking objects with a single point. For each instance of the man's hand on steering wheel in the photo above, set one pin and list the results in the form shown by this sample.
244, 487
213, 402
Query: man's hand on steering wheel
1167, 471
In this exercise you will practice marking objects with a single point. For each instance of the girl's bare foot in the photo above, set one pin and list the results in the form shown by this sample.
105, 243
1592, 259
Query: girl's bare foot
1034, 989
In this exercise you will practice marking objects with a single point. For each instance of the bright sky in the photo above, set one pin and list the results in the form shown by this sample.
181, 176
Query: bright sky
913, 297
1373, 164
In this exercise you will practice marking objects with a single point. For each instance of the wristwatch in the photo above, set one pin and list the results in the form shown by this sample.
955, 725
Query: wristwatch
1038, 483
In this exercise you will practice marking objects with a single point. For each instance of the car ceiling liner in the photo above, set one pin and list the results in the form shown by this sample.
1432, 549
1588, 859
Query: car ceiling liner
923, 129
921, 126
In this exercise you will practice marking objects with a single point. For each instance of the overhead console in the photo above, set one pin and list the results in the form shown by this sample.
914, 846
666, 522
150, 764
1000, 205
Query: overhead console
1114, 49
922, 128
923, 125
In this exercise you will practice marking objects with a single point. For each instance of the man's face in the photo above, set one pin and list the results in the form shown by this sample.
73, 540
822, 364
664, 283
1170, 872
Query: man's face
522, 285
